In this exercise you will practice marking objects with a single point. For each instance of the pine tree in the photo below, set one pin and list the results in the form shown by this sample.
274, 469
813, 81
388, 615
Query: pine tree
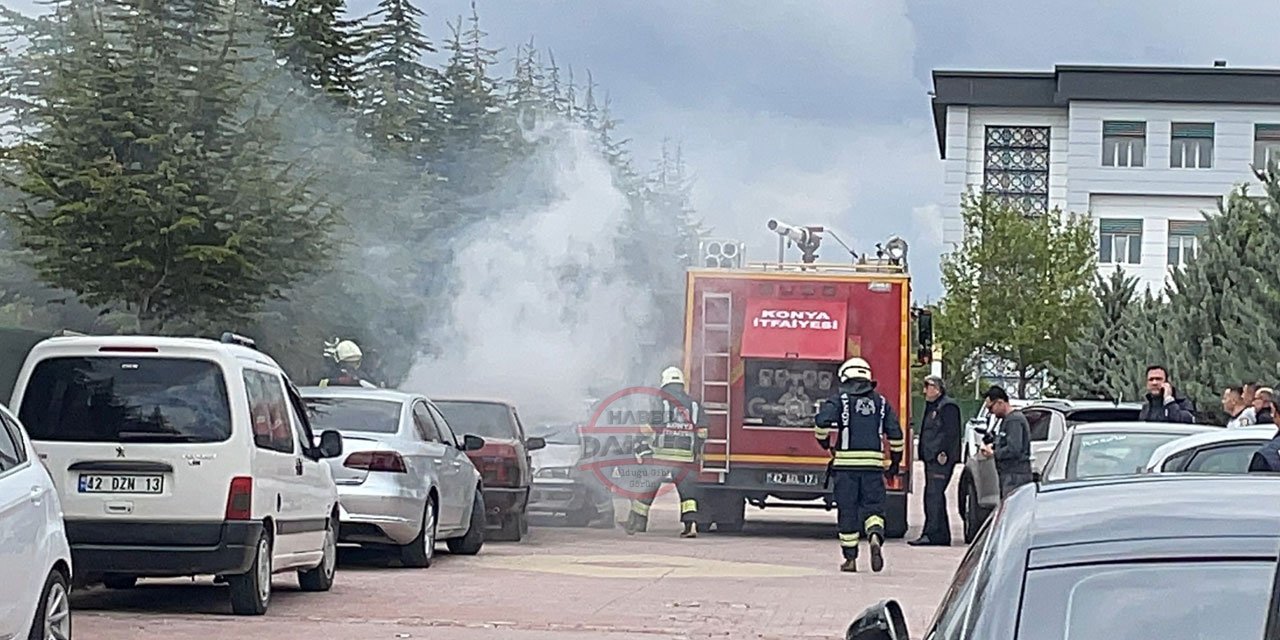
1096, 364
318, 44
1222, 305
398, 115
144, 184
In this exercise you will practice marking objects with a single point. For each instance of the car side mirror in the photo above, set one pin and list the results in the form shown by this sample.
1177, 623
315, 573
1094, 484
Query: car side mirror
330, 444
472, 443
882, 621
1036, 476
535, 443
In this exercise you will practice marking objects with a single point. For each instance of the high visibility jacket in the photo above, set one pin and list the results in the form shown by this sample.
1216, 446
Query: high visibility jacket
861, 422
347, 380
683, 425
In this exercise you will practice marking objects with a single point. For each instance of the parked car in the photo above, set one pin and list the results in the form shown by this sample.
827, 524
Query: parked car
36, 562
406, 481
504, 461
1112, 448
1110, 559
1218, 451
1048, 420
182, 456
563, 485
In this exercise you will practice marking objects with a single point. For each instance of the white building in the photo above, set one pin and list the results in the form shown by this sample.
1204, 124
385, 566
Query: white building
1143, 150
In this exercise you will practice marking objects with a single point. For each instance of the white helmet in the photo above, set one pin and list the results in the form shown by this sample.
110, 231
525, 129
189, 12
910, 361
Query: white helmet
672, 375
855, 369
348, 352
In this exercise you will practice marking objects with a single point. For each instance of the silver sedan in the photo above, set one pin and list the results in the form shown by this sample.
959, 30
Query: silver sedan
404, 480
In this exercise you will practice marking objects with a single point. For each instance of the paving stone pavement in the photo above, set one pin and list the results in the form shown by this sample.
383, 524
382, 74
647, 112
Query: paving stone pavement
777, 580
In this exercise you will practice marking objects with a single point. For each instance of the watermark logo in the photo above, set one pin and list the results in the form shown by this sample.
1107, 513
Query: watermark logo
621, 435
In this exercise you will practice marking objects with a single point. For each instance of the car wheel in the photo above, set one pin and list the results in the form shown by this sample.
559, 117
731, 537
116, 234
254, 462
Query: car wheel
974, 515
512, 529
419, 553
53, 616
581, 517
119, 581
251, 592
469, 545
321, 577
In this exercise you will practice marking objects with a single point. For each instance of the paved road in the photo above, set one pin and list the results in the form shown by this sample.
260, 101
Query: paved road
776, 580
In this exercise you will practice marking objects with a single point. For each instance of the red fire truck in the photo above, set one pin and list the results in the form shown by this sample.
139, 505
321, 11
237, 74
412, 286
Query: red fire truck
762, 346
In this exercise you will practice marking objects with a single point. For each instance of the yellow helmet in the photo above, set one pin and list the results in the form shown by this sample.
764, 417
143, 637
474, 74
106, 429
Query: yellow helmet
672, 375
855, 369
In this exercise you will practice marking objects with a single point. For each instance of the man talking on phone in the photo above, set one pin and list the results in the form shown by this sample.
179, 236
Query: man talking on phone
1163, 402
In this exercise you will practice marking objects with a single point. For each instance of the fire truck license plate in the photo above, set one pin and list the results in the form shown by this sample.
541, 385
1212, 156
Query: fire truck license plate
787, 477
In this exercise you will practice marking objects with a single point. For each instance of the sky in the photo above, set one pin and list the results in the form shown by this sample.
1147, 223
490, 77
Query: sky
817, 111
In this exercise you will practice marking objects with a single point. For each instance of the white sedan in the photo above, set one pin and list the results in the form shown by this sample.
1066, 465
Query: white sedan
1221, 451
35, 558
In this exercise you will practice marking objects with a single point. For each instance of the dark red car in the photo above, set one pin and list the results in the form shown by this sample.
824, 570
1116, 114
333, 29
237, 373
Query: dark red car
503, 462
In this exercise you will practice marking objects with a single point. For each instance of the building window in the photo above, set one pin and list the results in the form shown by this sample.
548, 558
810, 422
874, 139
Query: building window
1119, 241
1016, 169
1266, 145
1191, 145
1124, 144
1184, 240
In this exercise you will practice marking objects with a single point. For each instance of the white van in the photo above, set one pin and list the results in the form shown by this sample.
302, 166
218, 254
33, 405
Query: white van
182, 457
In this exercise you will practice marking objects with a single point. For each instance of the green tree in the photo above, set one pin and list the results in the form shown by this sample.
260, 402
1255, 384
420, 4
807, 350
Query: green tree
1223, 304
1015, 287
318, 44
147, 180
1096, 362
396, 94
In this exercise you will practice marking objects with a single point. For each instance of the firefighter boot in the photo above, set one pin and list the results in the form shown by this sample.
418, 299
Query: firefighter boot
877, 556
850, 565
635, 523
690, 530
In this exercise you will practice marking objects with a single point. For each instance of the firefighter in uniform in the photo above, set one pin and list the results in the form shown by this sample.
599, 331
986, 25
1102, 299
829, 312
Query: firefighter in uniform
674, 449
348, 357
861, 419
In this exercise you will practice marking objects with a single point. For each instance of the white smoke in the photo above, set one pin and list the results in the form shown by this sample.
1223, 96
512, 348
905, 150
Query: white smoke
540, 316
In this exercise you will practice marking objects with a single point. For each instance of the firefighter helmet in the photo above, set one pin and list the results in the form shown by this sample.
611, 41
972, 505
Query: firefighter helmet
348, 352
672, 375
855, 369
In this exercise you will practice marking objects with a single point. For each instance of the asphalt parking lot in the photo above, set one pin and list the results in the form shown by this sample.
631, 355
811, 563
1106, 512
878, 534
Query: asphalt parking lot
778, 579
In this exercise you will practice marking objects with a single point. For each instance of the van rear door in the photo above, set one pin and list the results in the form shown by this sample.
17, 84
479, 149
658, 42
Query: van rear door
133, 436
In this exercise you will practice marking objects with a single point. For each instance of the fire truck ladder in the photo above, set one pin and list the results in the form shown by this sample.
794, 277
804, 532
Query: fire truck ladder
715, 376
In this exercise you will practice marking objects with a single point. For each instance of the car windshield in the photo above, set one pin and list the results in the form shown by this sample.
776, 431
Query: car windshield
1109, 454
113, 399
354, 414
1115, 414
1215, 601
557, 433
484, 419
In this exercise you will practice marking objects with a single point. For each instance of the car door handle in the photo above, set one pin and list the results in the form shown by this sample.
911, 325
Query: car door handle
439, 461
37, 495
297, 466
457, 464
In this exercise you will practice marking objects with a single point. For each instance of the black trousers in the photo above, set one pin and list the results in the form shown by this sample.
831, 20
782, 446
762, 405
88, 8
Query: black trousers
1011, 480
937, 522
860, 496
685, 477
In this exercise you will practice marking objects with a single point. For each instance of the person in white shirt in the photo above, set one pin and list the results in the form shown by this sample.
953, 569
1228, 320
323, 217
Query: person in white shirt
1240, 411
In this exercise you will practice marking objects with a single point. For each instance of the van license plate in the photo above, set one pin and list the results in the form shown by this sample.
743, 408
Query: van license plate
787, 477
94, 483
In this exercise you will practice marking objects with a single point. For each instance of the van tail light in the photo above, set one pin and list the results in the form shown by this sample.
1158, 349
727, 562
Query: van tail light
376, 461
240, 499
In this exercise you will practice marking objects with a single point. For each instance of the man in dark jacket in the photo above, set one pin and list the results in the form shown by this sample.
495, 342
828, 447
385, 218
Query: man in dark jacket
940, 451
1163, 402
1011, 445
1267, 458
